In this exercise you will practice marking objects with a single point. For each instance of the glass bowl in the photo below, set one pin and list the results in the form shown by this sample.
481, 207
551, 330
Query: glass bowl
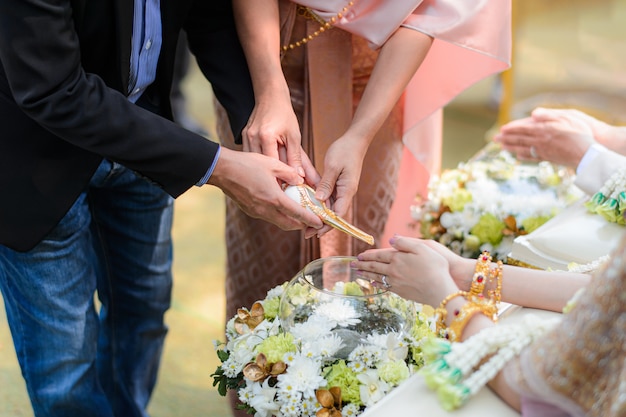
328, 292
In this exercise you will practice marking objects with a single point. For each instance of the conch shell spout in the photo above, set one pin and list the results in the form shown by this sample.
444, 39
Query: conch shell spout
305, 195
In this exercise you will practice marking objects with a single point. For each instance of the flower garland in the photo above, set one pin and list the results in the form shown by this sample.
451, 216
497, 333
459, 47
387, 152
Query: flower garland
300, 371
486, 202
457, 371
610, 201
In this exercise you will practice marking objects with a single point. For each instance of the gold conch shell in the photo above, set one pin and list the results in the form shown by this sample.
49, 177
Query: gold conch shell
305, 195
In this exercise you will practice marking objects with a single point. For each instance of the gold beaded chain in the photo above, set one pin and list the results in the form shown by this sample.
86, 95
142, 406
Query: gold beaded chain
324, 25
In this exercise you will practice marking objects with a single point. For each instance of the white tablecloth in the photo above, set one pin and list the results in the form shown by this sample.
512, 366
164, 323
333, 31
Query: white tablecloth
414, 398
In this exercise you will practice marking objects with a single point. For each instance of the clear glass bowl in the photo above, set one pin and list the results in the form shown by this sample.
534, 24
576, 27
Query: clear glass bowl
328, 289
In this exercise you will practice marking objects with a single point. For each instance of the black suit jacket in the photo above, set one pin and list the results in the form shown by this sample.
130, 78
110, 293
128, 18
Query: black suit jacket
64, 68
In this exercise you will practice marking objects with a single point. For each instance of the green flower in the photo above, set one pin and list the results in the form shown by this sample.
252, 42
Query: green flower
275, 347
271, 307
352, 288
489, 229
458, 199
531, 223
393, 372
339, 375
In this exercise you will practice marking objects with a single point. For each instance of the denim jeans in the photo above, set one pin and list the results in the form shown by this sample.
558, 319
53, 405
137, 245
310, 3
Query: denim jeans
79, 358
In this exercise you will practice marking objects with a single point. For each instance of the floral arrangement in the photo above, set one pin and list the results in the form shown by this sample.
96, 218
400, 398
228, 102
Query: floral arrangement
486, 202
308, 367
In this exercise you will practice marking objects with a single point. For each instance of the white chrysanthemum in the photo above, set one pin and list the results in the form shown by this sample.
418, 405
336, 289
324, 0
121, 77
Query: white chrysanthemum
289, 395
322, 347
291, 409
232, 367
368, 355
372, 388
339, 312
275, 292
309, 406
314, 328
329, 345
262, 399
377, 339
350, 410
245, 394
303, 375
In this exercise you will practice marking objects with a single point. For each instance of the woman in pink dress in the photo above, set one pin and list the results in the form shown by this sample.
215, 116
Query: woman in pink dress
362, 99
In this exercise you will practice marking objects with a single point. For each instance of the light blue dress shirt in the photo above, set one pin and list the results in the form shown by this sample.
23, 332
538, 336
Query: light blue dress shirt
146, 47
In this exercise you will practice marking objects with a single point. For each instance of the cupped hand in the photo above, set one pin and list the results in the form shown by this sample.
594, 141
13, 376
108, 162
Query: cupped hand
553, 135
414, 270
253, 182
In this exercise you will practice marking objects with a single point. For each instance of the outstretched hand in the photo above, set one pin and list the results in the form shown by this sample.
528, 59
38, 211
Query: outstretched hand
253, 182
414, 270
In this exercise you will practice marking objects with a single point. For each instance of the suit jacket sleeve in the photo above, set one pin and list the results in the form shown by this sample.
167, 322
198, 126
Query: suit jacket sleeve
40, 55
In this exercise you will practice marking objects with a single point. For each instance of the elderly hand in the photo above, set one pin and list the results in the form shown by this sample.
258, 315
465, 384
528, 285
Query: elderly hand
557, 136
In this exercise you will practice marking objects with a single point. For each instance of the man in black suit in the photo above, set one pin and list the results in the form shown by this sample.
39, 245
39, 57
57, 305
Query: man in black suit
89, 164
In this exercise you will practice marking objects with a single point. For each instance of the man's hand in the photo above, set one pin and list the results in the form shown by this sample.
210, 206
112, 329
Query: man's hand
253, 182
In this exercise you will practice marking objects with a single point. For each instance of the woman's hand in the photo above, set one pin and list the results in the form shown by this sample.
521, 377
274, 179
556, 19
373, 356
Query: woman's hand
414, 270
551, 135
342, 170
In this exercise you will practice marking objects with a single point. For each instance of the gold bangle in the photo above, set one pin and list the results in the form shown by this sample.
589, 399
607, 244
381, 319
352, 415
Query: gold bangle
495, 275
442, 313
481, 274
465, 314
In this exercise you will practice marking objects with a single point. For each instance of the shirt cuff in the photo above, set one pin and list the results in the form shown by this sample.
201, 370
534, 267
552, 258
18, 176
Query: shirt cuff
589, 156
206, 176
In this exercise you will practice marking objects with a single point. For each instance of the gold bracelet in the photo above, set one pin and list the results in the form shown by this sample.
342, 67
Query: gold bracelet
469, 310
481, 273
442, 313
495, 275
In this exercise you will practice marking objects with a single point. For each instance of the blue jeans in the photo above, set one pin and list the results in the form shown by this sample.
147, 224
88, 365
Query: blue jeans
78, 360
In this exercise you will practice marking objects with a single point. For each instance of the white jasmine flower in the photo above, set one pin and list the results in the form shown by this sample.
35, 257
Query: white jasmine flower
339, 312
372, 388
